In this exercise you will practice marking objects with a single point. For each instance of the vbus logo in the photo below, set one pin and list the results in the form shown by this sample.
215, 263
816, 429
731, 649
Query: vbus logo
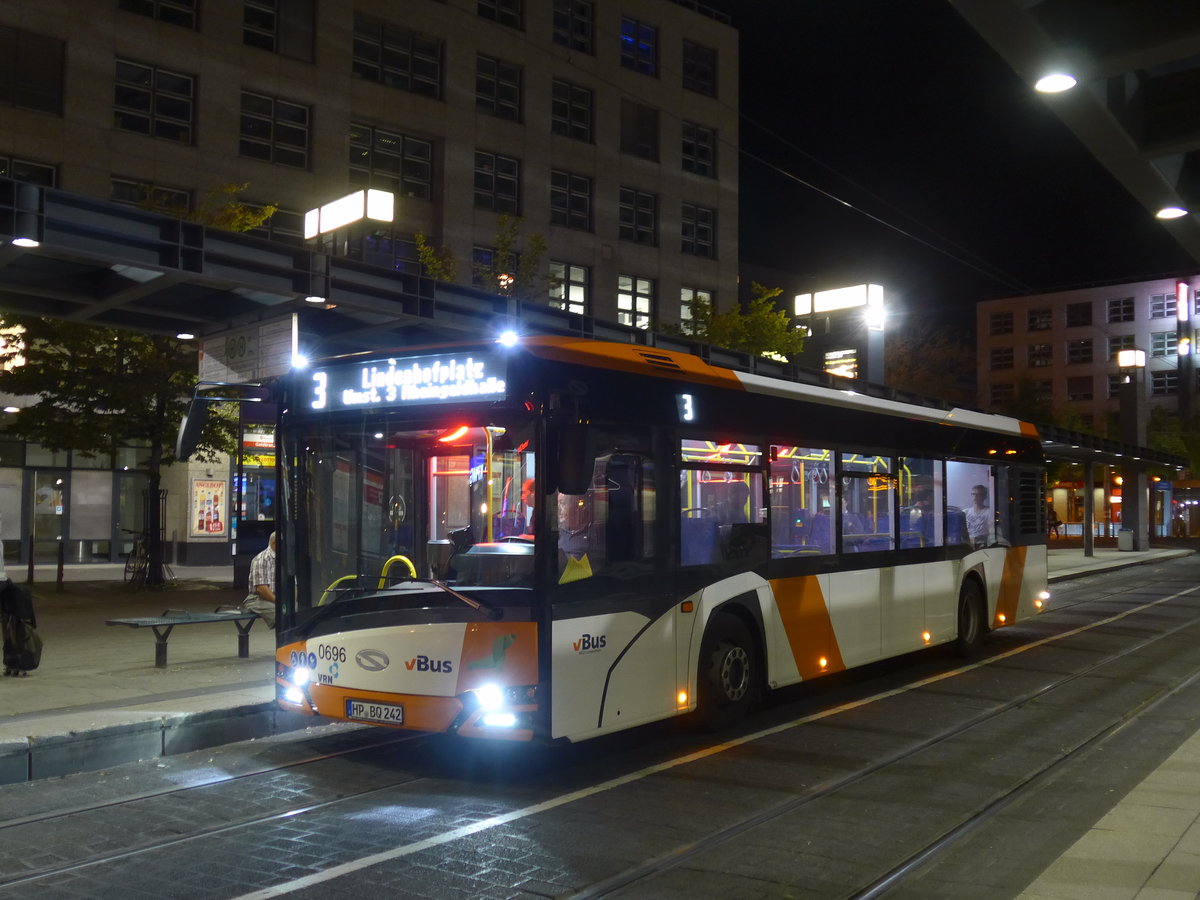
424, 664
589, 643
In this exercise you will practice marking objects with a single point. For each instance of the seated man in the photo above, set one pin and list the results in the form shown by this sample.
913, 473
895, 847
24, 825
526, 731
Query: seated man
261, 598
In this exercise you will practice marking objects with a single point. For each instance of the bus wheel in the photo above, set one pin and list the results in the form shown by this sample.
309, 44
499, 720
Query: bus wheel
728, 677
970, 618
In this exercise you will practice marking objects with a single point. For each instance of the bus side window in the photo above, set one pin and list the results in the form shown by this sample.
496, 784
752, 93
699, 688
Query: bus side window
612, 522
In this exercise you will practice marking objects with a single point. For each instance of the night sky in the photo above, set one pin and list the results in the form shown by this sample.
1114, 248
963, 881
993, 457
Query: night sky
899, 108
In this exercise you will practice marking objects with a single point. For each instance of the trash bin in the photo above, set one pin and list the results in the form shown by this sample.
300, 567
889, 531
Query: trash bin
1125, 539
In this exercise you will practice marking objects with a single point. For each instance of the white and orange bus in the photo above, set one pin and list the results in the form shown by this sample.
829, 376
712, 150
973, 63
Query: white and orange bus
564, 538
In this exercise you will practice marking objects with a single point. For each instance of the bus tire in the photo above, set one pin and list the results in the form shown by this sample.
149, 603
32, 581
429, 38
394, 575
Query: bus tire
728, 679
971, 613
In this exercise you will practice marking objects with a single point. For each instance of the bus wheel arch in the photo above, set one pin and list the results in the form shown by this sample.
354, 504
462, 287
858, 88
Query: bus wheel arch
972, 616
729, 675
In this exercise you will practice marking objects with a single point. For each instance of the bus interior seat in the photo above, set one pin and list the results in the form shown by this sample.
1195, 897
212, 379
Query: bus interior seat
698, 541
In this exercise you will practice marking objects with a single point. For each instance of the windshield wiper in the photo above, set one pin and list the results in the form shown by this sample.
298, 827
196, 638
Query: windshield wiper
492, 612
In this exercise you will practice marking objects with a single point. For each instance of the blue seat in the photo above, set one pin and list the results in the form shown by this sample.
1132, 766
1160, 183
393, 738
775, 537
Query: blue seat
698, 541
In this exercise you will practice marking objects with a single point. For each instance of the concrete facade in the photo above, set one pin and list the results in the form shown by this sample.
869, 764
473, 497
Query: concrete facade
306, 102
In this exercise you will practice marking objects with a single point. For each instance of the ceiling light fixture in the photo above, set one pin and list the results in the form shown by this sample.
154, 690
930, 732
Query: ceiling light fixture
1055, 83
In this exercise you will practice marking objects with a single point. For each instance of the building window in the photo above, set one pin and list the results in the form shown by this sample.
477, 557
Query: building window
1079, 351
638, 217
1165, 383
286, 225
569, 287
571, 110
1079, 314
635, 301
700, 69
1163, 306
639, 46
145, 195
506, 12
1039, 320
699, 150
175, 12
1121, 309
689, 300
1119, 342
639, 130
497, 182
391, 161
697, 231
281, 26
153, 101
498, 88
1164, 343
573, 24
1002, 394
1002, 358
1079, 387
1000, 323
1040, 355
1043, 390
31, 172
32, 75
570, 200
274, 130
397, 57
1114, 385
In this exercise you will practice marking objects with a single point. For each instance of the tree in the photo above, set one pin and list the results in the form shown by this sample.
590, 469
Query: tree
221, 207
761, 328
932, 365
509, 271
97, 389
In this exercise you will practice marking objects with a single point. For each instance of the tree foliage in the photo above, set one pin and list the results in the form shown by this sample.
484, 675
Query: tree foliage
937, 364
511, 271
222, 207
761, 328
93, 390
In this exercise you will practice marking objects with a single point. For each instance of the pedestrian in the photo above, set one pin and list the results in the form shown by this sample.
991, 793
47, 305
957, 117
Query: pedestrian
261, 598
979, 517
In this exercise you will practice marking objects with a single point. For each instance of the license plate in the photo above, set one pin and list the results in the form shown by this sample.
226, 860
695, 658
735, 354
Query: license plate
366, 711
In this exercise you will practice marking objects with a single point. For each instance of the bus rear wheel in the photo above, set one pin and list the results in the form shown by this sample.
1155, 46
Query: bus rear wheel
728, 676
971, 625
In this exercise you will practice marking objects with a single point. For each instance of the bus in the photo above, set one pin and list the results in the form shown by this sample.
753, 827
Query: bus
562, 538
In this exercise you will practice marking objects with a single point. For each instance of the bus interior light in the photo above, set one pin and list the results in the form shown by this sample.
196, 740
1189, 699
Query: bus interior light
451, 436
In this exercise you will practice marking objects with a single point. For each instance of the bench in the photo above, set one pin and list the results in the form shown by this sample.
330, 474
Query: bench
163, 625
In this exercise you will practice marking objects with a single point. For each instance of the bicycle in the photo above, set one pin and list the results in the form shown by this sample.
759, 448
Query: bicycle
138, 559
137, 564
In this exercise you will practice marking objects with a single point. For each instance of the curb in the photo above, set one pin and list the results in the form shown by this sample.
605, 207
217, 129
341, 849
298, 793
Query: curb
51, 756
1098, 570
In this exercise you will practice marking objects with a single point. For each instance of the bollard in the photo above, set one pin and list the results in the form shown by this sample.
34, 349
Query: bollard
62, 552
29, 573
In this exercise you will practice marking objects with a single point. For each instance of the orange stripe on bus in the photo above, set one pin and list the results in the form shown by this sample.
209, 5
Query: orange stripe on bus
630, 358
805, 617
1010, 586
500, 652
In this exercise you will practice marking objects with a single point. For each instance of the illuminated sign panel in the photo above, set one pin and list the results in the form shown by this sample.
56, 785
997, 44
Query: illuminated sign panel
411, 381
843, 363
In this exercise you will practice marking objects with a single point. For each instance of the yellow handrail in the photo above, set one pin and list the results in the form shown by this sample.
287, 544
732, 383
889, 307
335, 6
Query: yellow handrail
412, 570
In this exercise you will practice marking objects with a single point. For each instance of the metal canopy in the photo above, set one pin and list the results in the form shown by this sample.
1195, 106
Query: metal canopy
1136, 107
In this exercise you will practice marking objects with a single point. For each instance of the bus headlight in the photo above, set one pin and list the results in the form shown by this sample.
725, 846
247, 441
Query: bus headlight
301, 676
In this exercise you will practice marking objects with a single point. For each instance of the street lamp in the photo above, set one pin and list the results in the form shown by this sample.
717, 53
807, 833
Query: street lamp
1134, 534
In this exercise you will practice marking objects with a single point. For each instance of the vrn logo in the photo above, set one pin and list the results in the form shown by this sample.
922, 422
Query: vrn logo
589, 644
424, 664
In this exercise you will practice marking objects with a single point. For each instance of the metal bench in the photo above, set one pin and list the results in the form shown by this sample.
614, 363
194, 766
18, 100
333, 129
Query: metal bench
162, 625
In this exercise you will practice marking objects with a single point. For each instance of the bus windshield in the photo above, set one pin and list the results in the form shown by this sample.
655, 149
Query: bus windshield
393, 516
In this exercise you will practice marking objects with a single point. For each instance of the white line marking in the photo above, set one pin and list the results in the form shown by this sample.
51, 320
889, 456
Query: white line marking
562, 800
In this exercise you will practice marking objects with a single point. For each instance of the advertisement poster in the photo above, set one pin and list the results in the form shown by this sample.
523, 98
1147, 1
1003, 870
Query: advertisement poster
208, 515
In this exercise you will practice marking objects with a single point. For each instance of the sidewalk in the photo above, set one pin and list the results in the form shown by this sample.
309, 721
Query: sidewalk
97, 700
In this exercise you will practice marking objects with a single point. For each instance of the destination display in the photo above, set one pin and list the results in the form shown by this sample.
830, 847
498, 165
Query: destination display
408, 381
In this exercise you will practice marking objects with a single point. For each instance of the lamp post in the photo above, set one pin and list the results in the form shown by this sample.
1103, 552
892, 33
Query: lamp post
1134, 534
